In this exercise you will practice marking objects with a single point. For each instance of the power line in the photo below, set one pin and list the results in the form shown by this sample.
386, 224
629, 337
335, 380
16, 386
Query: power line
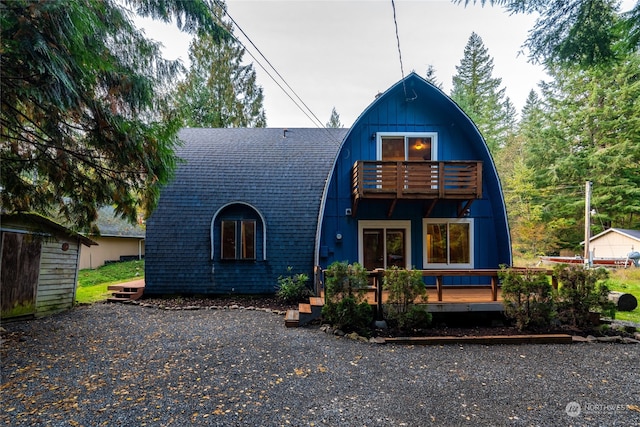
309, 113
395, 23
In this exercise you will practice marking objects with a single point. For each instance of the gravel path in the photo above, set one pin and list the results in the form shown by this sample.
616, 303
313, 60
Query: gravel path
112, 364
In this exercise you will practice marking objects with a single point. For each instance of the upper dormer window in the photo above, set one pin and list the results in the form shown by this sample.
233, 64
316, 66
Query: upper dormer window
407, 146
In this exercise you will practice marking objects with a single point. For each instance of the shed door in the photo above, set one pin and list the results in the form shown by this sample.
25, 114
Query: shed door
19, 273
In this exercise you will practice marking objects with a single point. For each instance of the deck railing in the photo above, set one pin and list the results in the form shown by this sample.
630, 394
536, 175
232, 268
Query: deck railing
417, 179
377, 278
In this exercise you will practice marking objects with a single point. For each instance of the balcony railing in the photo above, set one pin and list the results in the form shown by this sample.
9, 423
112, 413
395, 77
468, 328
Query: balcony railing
425, 180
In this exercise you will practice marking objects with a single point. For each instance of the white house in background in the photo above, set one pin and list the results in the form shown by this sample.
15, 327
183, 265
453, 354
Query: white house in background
615, 243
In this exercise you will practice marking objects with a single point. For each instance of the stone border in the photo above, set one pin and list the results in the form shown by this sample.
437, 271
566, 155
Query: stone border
198, 307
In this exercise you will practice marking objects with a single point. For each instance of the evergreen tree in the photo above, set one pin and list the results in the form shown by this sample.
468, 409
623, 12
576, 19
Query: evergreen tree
478, 93
431, 77
584, 32
533, 230
219, 90
84, 119
334, 120
589, 132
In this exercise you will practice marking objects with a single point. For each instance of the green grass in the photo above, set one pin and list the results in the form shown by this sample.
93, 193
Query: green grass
620, 279
627, 280
92, 284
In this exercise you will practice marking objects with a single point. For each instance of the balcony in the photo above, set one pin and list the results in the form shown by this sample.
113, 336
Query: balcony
417, 180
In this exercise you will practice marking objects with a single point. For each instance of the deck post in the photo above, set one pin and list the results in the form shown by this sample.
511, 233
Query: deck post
439, 287
494, 288
379, 278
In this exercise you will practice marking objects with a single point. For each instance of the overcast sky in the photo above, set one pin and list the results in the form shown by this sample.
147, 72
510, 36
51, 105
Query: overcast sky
342, 53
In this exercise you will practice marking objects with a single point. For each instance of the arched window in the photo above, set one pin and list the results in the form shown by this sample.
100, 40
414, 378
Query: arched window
238, 233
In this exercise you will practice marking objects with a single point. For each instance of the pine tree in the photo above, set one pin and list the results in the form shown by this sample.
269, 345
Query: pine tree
219, 90
431, 77
84, 119
334, 120
582, 32
478, 93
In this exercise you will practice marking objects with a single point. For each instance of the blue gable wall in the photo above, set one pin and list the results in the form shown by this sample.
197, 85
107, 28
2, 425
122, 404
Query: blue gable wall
422, 108
256, 174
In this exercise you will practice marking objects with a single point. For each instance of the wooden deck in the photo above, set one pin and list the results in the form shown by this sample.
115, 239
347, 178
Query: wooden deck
453, 299
416, 180
448, 298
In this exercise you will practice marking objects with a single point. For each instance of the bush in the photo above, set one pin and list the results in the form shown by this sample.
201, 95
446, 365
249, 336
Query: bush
528, 298
405, 287
345, 305
349, 315
293, 287
581, 291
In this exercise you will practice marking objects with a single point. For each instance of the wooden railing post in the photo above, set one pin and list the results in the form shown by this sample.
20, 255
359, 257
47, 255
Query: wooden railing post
399, 179
379, 277
494, 288
441, 181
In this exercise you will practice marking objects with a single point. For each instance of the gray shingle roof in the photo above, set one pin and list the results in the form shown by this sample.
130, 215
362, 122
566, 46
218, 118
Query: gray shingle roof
283, 177
111, 225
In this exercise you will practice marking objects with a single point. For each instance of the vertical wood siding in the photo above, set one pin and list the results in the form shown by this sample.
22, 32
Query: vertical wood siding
19, 273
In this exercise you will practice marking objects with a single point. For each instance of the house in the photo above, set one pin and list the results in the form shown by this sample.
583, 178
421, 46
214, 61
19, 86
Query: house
39, 268
119, 240
411, 184
614, 243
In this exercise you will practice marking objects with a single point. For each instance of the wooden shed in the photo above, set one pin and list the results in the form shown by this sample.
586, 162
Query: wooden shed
39, 267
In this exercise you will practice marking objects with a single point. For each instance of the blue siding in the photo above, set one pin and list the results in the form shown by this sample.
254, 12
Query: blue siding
292, 180
458, 139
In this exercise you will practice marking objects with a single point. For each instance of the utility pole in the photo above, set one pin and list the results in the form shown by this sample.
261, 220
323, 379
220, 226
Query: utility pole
587, 224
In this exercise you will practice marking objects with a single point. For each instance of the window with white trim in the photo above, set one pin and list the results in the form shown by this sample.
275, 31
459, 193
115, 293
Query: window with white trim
238, 239
382, 244
407, 146
448, 243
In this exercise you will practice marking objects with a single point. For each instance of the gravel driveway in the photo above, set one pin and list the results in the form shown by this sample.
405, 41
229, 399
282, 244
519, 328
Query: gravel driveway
112, 364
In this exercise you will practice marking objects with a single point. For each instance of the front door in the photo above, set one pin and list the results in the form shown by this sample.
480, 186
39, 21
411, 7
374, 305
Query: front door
383, 248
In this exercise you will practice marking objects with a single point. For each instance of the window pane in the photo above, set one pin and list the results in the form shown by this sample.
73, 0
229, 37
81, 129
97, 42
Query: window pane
395, 248
393, 149
228, 229
459, 244
248, 240
373, 248
437, 243
420, 148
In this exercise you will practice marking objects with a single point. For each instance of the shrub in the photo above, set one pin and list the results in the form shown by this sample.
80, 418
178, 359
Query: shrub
345, 304
528, 298
581, 291
293, 287
404, 288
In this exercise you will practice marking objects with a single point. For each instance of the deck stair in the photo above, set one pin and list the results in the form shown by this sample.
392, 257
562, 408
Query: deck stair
125, 292
306, 313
